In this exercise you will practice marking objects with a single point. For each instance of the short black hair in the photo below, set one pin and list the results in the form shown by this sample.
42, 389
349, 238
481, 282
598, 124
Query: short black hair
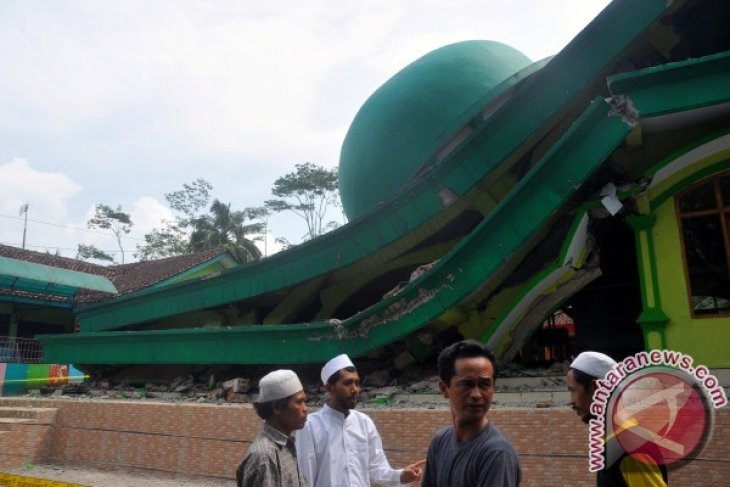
265, 410
336, 376
463, 349
583, 378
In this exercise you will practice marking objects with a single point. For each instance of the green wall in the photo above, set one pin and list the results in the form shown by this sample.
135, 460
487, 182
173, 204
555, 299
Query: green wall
705, 339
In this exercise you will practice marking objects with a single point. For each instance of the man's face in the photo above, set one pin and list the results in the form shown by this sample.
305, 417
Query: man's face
471, 389
580, 397
294, 415
345, 392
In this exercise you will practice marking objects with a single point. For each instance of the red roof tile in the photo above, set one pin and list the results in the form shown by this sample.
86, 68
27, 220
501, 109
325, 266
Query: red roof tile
126, 278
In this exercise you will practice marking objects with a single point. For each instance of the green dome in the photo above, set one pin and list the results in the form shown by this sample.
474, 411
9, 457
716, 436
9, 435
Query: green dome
406, 120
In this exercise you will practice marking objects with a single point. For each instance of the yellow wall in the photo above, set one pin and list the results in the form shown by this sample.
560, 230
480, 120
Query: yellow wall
706, 339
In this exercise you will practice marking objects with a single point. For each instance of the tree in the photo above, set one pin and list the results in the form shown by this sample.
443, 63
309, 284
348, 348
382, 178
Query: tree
193, 230
307, 192
190, 200
168, 241
86, 252
226, 228
107, 218
174, 236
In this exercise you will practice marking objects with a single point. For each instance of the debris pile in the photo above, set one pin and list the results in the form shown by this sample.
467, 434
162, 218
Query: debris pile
406, 384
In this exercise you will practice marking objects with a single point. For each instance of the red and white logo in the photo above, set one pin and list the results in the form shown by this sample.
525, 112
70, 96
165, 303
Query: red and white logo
660, 413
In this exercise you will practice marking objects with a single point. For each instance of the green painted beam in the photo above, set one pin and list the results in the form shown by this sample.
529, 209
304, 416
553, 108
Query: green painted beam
534, 106
217, 264
691, 84
295, 300
46, 303
29, 276
516, 222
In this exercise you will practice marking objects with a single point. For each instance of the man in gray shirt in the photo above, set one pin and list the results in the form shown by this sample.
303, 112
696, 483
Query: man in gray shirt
473, 451
271, 460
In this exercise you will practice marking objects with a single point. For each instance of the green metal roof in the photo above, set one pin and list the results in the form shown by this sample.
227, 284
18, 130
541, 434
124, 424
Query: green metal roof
519, 219
400, 127
32, 277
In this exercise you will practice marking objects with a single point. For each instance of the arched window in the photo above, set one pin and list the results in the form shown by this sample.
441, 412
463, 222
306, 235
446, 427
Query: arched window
704, 215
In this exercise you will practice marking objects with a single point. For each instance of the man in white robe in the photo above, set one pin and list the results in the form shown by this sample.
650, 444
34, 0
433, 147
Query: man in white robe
340, 447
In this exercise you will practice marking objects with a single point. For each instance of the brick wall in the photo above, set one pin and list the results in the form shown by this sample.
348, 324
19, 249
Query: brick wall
201, 439
28, 440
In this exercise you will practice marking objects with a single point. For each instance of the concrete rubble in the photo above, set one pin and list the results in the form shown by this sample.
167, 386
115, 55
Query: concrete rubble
409, 385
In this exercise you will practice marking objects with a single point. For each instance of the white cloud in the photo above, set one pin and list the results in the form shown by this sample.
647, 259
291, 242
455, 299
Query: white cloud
47, 194
148, 213
130, 98
267, 244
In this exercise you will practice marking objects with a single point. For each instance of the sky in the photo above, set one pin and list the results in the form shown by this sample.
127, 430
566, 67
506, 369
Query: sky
121, 101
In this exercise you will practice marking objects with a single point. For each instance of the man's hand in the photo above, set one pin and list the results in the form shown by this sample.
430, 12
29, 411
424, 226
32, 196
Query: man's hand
413, 472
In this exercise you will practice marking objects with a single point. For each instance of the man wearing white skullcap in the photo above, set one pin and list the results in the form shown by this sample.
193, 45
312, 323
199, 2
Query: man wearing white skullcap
340, 447
587, 368
626, 470
271, 460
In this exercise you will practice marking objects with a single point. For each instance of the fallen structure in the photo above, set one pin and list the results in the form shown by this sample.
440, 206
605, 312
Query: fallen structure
595, 182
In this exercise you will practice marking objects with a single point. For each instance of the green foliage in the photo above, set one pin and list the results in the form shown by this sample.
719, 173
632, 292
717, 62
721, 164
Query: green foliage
168, 241
174, 236
86, 252
307, 192
228, 229
190, 200
107, 218
192, 230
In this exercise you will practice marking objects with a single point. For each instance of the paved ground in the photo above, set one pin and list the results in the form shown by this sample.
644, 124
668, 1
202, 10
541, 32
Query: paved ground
93, 477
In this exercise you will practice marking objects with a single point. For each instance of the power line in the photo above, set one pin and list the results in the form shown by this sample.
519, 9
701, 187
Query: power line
67, 248
71, 227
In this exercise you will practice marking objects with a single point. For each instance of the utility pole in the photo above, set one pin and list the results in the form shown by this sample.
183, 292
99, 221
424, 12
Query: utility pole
24, 209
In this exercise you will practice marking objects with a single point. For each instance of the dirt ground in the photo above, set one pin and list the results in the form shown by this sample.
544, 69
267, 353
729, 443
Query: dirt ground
94, 477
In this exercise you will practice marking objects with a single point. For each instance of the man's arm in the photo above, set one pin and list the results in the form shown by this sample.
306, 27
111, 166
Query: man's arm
259, 471
306, 458
380, 470
429, 474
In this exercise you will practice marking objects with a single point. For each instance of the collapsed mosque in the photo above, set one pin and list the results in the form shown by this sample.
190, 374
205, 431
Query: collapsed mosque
595, 183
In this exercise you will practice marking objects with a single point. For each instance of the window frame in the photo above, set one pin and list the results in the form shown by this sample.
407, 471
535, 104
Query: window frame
723, 212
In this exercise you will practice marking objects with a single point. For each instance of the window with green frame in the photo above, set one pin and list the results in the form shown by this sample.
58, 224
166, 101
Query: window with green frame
704, 217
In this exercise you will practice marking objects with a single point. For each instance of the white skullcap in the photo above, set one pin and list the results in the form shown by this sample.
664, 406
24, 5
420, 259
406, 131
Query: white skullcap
335, 365
278, 385
595, 364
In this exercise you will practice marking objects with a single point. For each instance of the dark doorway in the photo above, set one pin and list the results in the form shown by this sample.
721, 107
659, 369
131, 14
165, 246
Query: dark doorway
605, 311
600, 317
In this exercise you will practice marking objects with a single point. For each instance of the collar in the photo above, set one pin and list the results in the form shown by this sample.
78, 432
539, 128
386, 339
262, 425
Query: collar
333, 413
275, 435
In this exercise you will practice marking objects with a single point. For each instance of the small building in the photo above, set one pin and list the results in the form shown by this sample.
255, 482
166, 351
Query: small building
40, 295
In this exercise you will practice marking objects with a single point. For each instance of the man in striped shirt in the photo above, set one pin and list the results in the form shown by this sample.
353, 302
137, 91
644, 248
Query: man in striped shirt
271, 460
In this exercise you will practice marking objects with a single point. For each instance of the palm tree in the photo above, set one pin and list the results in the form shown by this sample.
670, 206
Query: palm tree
225, 228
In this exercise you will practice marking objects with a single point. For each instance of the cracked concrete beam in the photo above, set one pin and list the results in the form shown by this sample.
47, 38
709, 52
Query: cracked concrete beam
623, 107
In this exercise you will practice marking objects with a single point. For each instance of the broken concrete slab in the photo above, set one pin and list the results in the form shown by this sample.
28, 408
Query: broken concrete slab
385, 391
379, 378
403, 360
166, 396
238, 385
